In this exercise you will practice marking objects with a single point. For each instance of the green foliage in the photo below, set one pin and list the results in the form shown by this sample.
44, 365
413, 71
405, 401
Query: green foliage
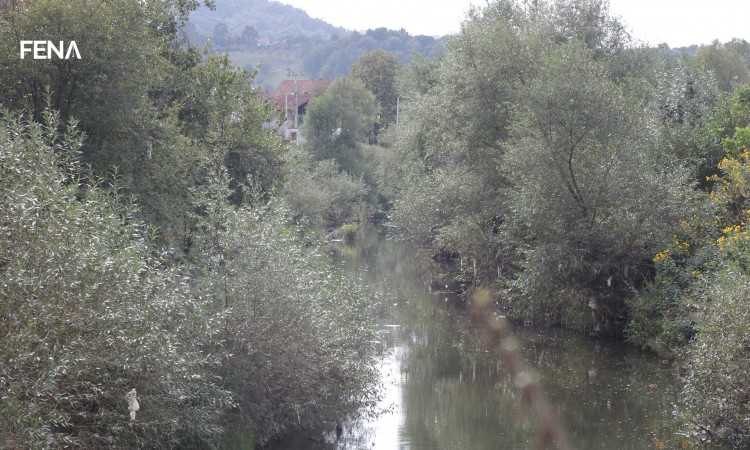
90, 312
586, 175
530, 146
455, 115
664, 318
347, 231
685, 97
716, 387
320, 195
298, 331
338, 121
447, 208
92, 306
695, 308
148, 105
726, 62
732, 111
377, 70
588, 23
121, 47
334, 58
232, 125
738, 143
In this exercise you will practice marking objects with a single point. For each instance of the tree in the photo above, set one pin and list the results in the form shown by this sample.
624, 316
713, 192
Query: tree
541, 178
587, 181
728, 65
299, 332
107, 89
455, 117
249, 35
90, 310
695, 309
377, 70
338, 121
587, 23
225, 113
320, 195
220, 35
684, 96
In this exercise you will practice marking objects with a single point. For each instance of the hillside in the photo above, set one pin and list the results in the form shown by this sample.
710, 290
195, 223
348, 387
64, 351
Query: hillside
272, 20
280, 40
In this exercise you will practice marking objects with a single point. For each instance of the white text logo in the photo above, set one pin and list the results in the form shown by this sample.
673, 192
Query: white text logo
46, 50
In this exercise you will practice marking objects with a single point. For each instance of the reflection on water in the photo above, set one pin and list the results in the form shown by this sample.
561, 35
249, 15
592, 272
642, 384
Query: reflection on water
444, 392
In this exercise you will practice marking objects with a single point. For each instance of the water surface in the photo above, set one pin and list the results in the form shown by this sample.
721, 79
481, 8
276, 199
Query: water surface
444, 391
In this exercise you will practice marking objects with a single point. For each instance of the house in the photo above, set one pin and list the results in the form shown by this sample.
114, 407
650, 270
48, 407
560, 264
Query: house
292, 97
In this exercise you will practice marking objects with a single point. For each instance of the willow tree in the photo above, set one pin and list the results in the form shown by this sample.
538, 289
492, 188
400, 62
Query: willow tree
522, 140
455, 117
594, 194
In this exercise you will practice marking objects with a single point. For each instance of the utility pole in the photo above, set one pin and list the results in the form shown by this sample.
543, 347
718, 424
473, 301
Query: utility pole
398, 101
296, 75
286, 112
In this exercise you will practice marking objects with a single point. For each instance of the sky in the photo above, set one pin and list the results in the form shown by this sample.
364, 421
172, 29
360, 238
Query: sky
676, 22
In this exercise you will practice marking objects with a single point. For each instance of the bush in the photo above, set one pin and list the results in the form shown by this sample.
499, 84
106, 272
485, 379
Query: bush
322, 196
347, 231
298, 331
717, 387
88, 312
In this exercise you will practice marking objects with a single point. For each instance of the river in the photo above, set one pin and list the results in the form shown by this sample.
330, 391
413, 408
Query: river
442, 390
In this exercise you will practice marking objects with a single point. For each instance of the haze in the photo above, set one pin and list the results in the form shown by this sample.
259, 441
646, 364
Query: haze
676, 22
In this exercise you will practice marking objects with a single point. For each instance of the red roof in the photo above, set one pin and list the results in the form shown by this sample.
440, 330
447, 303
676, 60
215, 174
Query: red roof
306, 91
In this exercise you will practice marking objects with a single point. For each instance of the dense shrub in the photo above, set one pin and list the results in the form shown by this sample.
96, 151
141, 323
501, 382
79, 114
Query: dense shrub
696, 309
87, 312
320, 195
299, 332
717, 387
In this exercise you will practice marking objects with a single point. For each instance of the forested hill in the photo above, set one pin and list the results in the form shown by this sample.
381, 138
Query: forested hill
279, 38
271, 20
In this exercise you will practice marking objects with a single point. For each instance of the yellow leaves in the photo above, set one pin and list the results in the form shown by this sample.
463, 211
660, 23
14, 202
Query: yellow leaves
735, 180
712, 195
732, 187
661, 256
733, 235
722, 166
679, 247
